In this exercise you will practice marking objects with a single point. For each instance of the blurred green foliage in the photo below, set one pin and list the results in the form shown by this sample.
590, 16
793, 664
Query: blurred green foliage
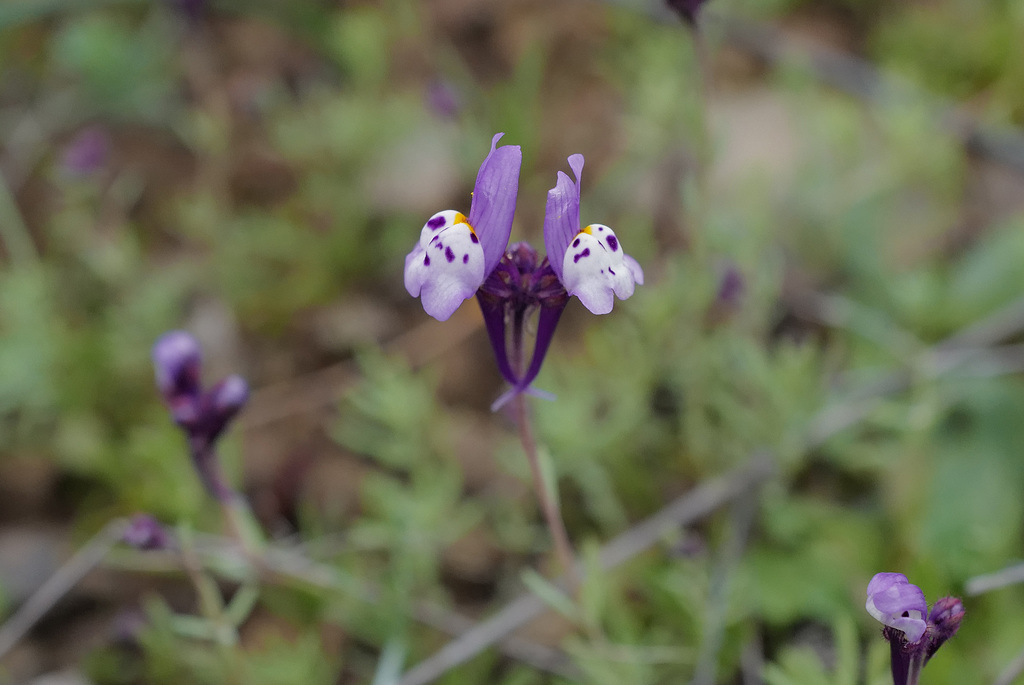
652, 400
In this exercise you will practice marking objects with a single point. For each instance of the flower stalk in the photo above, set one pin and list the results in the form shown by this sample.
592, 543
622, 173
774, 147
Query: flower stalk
460, 256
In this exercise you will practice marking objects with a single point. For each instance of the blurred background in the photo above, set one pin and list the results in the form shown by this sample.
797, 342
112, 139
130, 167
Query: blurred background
832, 191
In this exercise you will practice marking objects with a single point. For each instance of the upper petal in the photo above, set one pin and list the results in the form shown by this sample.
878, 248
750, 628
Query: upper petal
595, 268
446, 271
562, 215
494, 200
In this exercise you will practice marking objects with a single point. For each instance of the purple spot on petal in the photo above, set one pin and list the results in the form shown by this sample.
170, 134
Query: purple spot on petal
611, 271
613, 244
465, 259
435, 223
439, 245
472, 236
600, 228
426, 260
449, 255
585, 253
576, 243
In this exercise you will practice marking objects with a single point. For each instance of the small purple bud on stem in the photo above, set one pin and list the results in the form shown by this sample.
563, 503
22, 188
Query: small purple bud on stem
524, 257
687, 9
943, 622
145, 532
229, 396
176, 360
444, 99
87, 152
728, 297
202, 415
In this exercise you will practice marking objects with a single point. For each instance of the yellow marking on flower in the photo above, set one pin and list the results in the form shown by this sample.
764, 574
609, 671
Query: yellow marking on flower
461, 218
587, 230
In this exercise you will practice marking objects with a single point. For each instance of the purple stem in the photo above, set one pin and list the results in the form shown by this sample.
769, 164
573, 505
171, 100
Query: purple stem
548, 505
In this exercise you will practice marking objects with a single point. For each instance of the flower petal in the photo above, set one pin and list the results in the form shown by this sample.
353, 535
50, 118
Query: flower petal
494, 200
447, 265
493, 311
897, 603
562, 215
595, 267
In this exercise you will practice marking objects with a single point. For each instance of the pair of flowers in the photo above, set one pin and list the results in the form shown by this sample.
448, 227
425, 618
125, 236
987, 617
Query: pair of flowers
914, 633
459, 256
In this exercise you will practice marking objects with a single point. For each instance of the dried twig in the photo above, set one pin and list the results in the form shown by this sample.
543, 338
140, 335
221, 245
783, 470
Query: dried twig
979, 585
58, 585
641, 537
941, 358
285, 565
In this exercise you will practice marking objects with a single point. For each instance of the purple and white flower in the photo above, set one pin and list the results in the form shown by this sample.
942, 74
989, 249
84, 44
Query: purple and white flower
459, 256
913, 633
202, 415
588, 261
897, 603
456, 253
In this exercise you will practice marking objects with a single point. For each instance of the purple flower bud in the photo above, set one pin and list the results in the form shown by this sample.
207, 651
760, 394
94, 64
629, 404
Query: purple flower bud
943, 622
87, 152
444, 99
202, 415
221, 403
229, 396
731, 285
127, 627
176, 360
145, 532
687, 9
728, 296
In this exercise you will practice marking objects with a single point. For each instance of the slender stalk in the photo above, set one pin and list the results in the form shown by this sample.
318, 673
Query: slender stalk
914, 673
548, 504
698, 125
59, 584
702, 56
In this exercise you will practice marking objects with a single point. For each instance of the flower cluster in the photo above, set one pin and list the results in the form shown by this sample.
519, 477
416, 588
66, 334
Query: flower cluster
914, 633
202, 415
459, 256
